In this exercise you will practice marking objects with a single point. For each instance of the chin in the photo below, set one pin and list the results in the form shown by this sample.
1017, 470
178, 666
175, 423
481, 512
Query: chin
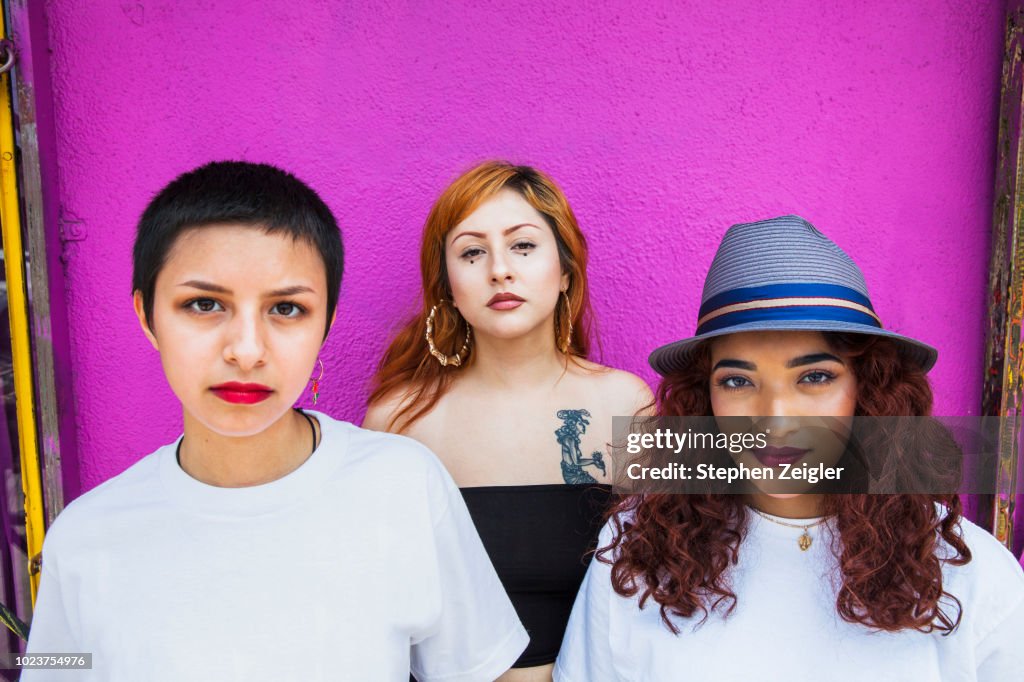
507, 330
240, 421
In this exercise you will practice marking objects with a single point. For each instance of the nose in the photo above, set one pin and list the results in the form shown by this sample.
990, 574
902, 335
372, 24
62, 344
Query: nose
778, 416
501, 268
245, 344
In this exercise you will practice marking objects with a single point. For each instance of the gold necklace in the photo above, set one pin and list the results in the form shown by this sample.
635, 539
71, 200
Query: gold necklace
805, 540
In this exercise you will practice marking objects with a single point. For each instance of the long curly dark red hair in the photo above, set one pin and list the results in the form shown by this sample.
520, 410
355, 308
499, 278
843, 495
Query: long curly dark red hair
677, 549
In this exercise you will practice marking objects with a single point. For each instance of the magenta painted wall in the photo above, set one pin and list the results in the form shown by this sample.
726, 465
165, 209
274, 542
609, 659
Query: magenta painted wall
664, 123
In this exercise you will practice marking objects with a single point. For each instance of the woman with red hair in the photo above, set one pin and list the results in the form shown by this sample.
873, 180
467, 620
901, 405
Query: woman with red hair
793, 585
492, 374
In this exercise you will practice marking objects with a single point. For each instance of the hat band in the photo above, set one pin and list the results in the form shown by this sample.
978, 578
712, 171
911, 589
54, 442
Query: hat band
788, 309
784, 290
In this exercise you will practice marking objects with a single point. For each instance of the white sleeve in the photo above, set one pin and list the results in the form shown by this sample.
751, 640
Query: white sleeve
50, 631
586, 653
1000, 654
479, 635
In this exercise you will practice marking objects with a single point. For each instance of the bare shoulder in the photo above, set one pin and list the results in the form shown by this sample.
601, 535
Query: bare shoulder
381, 413
621, 392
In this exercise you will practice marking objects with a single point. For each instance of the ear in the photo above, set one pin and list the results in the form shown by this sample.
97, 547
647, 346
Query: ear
140, 312
565, 281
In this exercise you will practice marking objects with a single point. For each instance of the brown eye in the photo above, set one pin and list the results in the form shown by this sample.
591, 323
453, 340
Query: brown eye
288, 309
203, 305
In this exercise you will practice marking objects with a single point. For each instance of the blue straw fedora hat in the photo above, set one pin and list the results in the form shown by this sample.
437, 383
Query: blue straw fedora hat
783, 275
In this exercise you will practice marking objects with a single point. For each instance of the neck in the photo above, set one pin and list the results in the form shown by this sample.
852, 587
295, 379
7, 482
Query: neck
239, 462
796, 507
524, 361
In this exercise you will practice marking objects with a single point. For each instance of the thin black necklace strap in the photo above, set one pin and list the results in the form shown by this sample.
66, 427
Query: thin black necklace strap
312, 427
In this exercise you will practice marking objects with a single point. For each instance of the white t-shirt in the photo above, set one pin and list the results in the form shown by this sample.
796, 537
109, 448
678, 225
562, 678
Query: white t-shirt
785, 625
357, 565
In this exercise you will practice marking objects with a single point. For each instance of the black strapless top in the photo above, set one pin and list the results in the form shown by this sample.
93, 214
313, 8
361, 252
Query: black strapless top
538, 538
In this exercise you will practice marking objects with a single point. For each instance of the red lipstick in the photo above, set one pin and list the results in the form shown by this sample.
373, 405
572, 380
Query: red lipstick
505, 301
772, 456
239, 393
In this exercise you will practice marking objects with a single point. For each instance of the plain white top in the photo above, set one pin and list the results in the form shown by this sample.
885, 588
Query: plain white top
360, 564
785, 625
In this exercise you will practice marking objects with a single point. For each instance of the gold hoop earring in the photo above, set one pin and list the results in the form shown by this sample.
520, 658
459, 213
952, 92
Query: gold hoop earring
564, 345
445, 360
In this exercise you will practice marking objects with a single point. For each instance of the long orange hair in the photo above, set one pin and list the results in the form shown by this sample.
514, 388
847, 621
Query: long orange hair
407, 365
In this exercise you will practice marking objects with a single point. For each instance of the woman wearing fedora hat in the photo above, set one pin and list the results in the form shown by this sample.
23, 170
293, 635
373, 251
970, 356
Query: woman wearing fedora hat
492, 375
772, 585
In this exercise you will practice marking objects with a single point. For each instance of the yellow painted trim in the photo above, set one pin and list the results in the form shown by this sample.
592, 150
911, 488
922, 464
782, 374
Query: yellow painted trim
21, 350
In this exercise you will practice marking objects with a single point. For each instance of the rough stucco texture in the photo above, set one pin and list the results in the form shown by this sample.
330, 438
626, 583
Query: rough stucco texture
663, 122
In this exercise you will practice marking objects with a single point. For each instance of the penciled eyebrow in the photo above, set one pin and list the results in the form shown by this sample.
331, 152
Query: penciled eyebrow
218, 289
795, 362
481, 235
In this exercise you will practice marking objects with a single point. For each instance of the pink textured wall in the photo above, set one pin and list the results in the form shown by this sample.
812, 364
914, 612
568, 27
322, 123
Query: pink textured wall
664, 122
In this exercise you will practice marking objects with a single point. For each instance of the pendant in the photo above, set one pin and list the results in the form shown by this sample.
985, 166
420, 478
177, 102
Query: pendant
804, 541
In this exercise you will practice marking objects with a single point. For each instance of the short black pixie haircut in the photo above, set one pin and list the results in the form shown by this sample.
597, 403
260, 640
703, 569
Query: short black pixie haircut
240, 193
